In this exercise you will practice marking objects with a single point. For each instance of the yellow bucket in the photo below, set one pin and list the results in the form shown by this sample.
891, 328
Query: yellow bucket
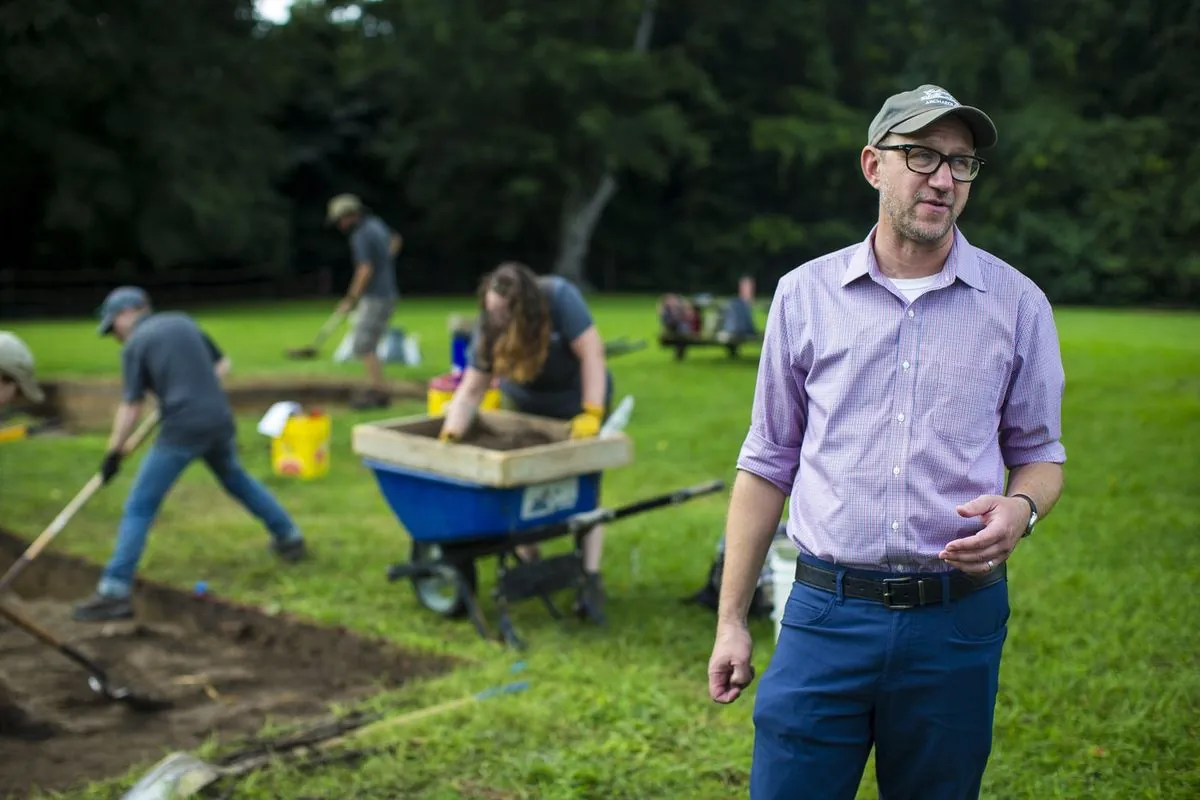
14, 432
302, 451
441, 391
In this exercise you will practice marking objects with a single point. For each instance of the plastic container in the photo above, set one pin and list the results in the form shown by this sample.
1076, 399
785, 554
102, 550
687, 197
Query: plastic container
460, 343
438, 508
441, 391
302, 450
781, 558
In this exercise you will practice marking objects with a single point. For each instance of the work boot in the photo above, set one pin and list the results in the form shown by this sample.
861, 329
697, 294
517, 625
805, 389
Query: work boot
292, 550
103, 608
372, 398
590, 603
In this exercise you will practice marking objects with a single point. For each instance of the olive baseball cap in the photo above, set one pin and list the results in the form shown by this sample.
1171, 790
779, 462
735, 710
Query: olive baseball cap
118, 300
911, 111
340, 206
16, 361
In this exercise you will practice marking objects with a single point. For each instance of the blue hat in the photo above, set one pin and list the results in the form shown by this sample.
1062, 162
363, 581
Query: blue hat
118, 300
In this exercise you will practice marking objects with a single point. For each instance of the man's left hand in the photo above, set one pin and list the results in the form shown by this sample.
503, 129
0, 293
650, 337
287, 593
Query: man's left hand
1004, 521
587, 424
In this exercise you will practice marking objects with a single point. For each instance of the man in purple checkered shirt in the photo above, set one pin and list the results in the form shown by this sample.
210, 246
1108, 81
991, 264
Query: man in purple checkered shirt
900, 379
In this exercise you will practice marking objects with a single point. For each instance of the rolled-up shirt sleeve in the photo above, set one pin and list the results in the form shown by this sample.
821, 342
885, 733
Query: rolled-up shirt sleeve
1031, 420
771, 449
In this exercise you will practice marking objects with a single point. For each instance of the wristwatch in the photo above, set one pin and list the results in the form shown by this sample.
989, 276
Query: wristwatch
1033, 513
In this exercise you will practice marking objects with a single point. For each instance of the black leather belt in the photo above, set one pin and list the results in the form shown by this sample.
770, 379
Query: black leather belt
908, 591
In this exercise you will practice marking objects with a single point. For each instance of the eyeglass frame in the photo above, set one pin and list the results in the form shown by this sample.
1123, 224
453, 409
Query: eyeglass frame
908, 147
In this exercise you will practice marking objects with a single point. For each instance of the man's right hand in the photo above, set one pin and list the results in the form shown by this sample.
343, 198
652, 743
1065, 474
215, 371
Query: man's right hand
729, 668
110, 466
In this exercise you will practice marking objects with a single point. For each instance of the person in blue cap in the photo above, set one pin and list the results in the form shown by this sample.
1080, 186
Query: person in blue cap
168, 354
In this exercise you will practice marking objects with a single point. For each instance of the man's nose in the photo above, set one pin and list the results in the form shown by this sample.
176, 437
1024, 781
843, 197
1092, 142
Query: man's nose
941, 178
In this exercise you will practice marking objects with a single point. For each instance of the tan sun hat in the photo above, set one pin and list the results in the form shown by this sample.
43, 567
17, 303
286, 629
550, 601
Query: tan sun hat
341, 205
16, 361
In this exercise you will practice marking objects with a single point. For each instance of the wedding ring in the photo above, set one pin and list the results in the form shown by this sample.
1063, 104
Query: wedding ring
991, 566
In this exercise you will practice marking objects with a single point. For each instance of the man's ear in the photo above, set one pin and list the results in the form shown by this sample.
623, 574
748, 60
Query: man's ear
869, 159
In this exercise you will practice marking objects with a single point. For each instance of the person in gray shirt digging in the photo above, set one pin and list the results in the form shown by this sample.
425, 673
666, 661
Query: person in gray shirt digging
373, 248
167, 354
537, 335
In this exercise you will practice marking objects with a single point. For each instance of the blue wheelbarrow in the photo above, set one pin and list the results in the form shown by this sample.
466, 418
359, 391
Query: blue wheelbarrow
453, 523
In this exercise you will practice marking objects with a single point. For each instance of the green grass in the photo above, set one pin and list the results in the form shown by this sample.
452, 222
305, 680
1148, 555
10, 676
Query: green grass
1100, 684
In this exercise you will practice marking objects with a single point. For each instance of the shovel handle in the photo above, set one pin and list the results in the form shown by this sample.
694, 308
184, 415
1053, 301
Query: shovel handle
89, 489
35, 630
413, 716
335, 319
255, 761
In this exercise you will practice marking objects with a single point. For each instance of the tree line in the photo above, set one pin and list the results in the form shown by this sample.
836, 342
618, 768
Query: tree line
632, 145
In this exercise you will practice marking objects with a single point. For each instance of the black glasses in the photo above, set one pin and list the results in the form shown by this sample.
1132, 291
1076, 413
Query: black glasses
926, 161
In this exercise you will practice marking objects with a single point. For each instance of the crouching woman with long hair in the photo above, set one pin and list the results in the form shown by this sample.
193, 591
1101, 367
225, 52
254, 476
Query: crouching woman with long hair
537, 336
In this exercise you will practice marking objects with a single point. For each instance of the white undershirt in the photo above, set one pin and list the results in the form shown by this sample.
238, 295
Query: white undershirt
912, 288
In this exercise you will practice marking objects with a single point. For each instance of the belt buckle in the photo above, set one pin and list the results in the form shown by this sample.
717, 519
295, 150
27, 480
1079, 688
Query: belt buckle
888, 583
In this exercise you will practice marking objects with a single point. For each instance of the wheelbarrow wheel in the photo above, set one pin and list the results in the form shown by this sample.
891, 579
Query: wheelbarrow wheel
442, 592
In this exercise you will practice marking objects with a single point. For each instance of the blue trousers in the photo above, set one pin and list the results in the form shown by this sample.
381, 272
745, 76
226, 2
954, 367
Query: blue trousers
847, 674
159, 471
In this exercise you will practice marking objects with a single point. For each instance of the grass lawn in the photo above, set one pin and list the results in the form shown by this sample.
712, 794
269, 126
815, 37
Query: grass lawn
1100, 688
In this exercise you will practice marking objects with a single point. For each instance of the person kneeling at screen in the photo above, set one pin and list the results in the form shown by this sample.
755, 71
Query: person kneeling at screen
537, 335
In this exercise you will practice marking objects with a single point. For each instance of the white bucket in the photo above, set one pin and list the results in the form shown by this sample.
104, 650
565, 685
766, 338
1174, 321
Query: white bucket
782, 560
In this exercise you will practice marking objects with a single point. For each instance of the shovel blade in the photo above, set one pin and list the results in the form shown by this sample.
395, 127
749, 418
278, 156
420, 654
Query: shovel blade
137, 702
178, 775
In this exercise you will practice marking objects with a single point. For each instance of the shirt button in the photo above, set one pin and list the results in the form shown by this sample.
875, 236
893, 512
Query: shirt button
895, 470
895, 526
904, 364
910, 312
900, 416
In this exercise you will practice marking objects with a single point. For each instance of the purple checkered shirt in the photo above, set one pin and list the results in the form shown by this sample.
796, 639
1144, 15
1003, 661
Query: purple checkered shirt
878, 416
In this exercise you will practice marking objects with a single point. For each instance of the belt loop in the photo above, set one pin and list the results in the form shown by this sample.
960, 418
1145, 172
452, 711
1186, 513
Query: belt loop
841, 595
945, 576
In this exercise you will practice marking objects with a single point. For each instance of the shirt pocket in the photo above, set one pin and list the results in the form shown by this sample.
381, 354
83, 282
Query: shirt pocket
966, 403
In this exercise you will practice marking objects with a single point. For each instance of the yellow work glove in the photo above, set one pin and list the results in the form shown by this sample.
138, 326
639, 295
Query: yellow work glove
587, 424
447, 436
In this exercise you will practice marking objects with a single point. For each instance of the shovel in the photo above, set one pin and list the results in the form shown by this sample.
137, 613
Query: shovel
331, 324
98, 679
183, 775
85, 494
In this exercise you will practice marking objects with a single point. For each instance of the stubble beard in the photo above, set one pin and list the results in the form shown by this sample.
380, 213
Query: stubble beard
904, 216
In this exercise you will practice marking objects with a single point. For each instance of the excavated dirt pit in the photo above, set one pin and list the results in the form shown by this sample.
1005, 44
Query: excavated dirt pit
228, 669
88, 404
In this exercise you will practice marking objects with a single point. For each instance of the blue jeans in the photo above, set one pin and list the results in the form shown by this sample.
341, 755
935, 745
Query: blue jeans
159, 471
918, 684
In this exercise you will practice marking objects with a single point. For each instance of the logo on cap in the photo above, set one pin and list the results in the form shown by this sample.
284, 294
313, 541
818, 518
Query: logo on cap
938, 97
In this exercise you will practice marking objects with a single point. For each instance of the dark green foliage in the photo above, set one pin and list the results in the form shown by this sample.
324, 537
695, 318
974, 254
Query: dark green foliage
146, 137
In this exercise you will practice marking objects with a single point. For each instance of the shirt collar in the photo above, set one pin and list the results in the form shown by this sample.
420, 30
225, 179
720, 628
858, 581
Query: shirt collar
961, 263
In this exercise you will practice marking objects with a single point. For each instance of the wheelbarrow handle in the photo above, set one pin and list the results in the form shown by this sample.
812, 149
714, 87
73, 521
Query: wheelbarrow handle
589, 519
